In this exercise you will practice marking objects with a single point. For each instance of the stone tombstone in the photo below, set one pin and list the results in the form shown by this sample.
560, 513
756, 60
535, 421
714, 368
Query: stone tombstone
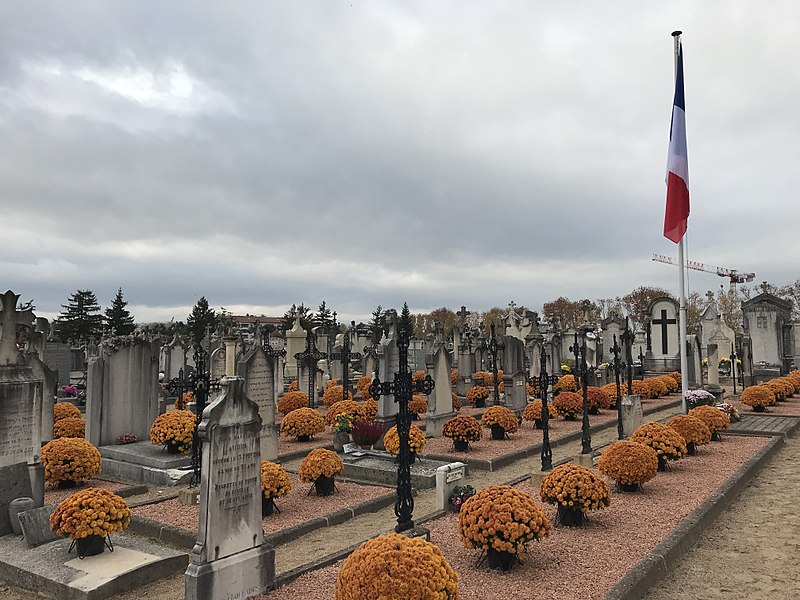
663, 313
712, 350
20, 398
708, 320
230, 560
176, 353
768, 321
14, 483
466, 367
388, 365
514, 377
611, 326
58, 357
217, 363
295, 342
122, 390
35, 525
440, 402
336, 365
448, 477
632, 415
50, 383
693, 362
257, 369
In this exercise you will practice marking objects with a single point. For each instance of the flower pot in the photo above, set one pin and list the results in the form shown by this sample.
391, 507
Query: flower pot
629, 487
172, 447
412, 458
759, 408
90, 546
691, 448
500, 559
498, 433
715, 436
460, 445
324, 485
569, 516
66, 484
303, 438
537, 424
414, 416
267, 506
340, 438
480, 403
662, 464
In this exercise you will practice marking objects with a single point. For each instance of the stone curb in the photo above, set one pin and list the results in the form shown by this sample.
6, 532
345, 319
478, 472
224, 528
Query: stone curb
529, 451
648, 571
185, 539
790, 432
289, 576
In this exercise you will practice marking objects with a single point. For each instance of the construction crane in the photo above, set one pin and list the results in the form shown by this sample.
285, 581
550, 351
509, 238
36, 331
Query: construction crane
733, 275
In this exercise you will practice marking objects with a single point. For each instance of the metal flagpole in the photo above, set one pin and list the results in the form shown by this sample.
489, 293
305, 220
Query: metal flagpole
676, 36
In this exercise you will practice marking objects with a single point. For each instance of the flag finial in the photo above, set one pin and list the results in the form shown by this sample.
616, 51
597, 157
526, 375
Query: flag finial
676, 33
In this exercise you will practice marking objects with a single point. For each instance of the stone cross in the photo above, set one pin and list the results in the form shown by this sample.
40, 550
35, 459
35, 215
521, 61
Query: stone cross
12, 320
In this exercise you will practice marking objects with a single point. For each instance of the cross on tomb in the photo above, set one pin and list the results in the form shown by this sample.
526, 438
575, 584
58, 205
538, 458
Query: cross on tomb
310, 357
664, 322
11, 320
463, 314
617, 366
494, 348
345, 356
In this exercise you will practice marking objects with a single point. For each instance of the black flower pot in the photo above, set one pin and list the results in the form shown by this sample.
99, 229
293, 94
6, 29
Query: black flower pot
460, 445
759, 408
172, 447
500, 559
267, 506
303, 438
629, 487
569, 516
498, 433
66, 484
537, 423
691, 449
324, 485
480, 403
662, 464
414, 416
90, 546
715, 436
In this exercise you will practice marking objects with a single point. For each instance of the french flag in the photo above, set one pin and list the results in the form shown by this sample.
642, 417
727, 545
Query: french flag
677, 212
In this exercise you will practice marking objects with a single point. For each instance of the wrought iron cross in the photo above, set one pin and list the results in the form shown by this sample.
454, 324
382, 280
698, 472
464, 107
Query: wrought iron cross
542, 383
641, 361
198, 382
733, 366
345, 356
618, 365
494, 348
627, 340
402, 388
580, 366
310, 357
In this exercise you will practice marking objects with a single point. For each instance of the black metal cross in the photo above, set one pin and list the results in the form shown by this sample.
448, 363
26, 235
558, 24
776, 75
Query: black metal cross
402, 388
641, 361
198, 382
345, 356
627, 340
310, 357
580, 366
733, 367
542, 383
494, 348
618, 366
664, 322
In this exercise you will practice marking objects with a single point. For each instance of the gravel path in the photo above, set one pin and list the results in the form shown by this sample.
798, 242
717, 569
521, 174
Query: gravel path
751, 551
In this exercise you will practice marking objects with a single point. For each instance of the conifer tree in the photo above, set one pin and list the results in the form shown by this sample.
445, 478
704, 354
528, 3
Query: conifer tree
200, 320
81, 318
118, 319
405, 322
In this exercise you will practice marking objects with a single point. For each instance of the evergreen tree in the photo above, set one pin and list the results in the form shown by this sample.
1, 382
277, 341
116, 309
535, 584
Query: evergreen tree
306, 317
405, 322
376, 325
324, 317
81, 318
118, 319
201, 318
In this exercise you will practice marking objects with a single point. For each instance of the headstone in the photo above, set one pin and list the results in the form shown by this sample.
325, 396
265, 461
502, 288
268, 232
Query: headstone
295, 342
664, 334
708, 320
20, 401
466, 367
712, 350
448, 477
217, 363
370, 362
35, 524
388, 365
14, 483
440, 402
632, 415
768, 321
258, 371
176, 359
58, 357
693, 362
230, 560
514, 377
122, 390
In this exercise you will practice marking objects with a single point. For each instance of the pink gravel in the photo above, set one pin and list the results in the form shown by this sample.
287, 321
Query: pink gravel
53, 495
296, 507
526, 436
788, 408
577, 563
288, 445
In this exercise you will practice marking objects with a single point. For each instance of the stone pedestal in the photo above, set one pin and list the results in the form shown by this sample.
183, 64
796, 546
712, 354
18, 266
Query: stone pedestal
448, 477
434, 424
216, 580
584, 460
632, 415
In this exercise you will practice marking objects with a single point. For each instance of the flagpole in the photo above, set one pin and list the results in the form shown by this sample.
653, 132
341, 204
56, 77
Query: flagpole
676, 36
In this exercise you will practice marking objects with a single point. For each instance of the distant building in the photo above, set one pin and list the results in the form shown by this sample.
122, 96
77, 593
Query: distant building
246, 324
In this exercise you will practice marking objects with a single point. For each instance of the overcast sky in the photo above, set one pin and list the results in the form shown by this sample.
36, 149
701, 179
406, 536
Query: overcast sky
440, 153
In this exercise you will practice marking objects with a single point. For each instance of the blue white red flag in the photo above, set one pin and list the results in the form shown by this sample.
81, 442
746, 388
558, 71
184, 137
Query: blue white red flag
677, 212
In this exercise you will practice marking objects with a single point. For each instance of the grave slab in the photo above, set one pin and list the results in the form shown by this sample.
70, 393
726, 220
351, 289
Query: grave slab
14, 483
380, 467
144, 463
35, 525
50, 571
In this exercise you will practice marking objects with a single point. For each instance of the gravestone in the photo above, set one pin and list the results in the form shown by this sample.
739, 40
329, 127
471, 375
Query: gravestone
611, 326
712, 350
217, 363
258, 371
448, 477
295, 342
230, 560
20, 403
708, 320
388, 365
35, 524
122, 390
514, 377
466, 367
768, 321
632, 415
370, 362
176, 357
58, 357
14, 483
693, 362
665, 336
440, 402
